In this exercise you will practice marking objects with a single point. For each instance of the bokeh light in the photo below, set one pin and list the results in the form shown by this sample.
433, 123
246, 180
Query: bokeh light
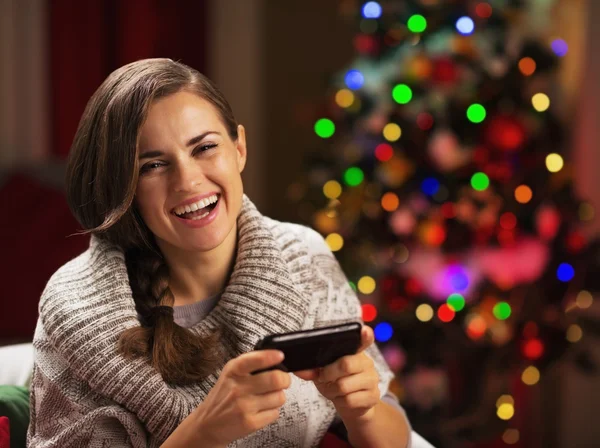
475, 326
530, 376
390, 201
354, 79
424, 121
540, 102
334, 241
424, 312
384, 152
508, 221
465, 25
527, 66
560, 47
371, 10
565, 272
392, 132
344, 98
505, 399
383, 332
586, 211
533, 348
510, 436
324, 128
554, 162
523, 194
456, 301
502, 310
366, 284
430, 186
353, 176
445, 313
402, 94
476, 113
480, 181
505, 411
369, 312
332, 189
584, 299
574, 333
483, 10
417, 23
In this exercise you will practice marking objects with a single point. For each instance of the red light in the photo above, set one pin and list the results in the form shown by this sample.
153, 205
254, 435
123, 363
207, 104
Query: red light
413, 287
424, 121
369, 312
483, 10
575, 242
364, 44
508, 221
448, 211
384, 152
397, 303
533, 348
445, 313
530, 330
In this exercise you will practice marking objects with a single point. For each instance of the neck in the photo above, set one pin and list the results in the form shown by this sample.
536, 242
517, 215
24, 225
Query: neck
196, 276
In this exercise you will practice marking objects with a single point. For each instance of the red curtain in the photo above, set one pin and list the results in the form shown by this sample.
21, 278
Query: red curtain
89, 39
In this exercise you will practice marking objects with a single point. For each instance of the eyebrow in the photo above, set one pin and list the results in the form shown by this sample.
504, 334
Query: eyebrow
191, 141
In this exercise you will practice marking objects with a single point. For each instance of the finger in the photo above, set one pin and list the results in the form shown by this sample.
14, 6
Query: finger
361, 400
265, 382
347, 365
308, 375
367, 338
271, 400
353, 383
250, 362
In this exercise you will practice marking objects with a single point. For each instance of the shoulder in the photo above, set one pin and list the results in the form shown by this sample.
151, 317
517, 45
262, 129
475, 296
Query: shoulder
309, 239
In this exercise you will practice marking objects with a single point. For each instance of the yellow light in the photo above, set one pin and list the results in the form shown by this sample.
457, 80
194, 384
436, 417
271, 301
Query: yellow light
523, 194
424, 312
530, 376
584, 299
540, 102
334, 241
392, 132
505, 399
505, 411
574, 333
510, 436
554, 162
332, 189
390, 202
344, 98
366, 284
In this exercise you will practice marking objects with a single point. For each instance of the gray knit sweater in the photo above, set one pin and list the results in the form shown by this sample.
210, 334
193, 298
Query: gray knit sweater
84, 393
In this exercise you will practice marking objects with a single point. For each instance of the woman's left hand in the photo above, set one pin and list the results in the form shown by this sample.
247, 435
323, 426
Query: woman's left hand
351, 382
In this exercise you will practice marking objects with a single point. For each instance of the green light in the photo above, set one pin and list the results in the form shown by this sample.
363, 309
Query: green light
353, 176
324, 128
417, 23
502, 310
476, 113
402, 94
353, 286
480, 181
456, 302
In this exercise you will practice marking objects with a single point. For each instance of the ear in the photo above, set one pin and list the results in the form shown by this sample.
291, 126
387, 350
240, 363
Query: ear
241, 148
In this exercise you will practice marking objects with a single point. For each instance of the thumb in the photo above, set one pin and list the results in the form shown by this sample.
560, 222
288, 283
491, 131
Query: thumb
308, 375
367, 337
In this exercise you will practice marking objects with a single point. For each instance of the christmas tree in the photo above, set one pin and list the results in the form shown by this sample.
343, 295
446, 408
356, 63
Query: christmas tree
440, 179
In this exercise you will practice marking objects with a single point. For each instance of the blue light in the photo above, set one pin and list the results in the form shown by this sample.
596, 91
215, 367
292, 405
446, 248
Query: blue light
430, 186
559, 47
465, 25
565, 272
458, 278
354, 79
371, 10
383, 332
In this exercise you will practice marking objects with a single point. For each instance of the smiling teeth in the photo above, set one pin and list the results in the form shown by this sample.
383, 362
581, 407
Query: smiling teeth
197, 206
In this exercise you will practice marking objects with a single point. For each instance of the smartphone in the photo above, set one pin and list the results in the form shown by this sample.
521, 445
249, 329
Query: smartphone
310, 349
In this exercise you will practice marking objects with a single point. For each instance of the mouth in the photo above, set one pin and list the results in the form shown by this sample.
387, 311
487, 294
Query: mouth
197, 210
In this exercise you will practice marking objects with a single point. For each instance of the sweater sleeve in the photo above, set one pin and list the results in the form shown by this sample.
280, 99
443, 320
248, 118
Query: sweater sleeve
65, 412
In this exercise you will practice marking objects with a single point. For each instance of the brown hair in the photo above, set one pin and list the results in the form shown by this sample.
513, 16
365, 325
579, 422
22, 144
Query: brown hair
102, 175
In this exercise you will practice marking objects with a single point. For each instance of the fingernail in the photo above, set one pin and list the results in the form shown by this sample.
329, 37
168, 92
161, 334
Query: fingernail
280, 355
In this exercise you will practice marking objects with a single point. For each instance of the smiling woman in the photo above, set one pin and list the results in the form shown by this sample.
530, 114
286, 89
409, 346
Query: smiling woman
148, 337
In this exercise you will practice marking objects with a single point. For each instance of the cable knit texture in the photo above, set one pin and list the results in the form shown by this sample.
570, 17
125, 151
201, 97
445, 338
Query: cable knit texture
84, 393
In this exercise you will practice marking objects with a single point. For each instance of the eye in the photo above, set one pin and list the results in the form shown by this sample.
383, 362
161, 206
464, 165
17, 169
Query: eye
150, 166
203, 148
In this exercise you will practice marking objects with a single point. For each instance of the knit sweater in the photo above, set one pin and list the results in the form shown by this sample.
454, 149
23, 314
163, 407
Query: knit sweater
84, 393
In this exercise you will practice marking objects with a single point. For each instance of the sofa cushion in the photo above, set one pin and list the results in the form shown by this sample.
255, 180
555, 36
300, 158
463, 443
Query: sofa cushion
14, 404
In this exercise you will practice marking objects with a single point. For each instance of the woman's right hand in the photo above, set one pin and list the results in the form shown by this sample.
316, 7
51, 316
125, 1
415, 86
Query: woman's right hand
239, 404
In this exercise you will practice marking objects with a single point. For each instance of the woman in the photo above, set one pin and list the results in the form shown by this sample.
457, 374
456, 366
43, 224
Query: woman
147, 338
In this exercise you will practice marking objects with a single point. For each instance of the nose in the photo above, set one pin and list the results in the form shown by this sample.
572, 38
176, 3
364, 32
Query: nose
186, 177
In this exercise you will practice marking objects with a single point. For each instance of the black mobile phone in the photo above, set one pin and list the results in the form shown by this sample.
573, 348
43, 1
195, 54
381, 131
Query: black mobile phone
310, 349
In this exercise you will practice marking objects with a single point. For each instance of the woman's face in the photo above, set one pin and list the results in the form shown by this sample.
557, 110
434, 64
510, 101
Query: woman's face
189, 191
